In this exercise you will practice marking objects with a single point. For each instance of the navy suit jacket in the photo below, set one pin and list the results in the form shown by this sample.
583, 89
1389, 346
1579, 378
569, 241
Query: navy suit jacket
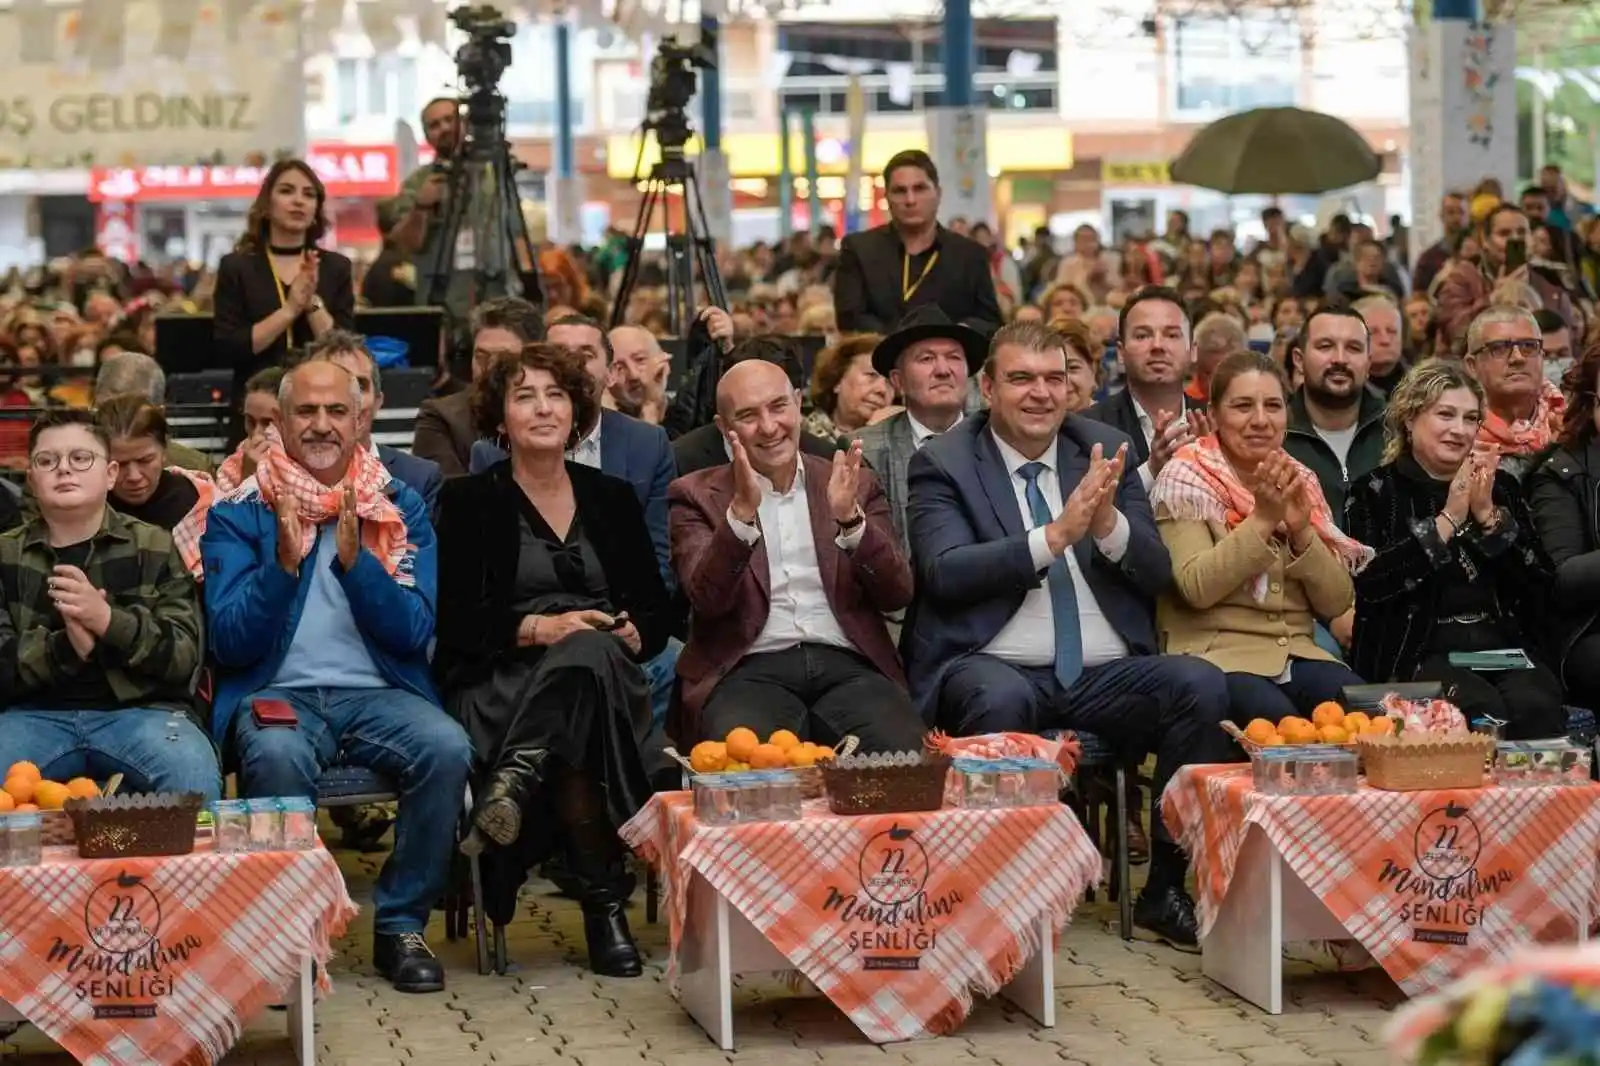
422, 476
633, 450
972, 562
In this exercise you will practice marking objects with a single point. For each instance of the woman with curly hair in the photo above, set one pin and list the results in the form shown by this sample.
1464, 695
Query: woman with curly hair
845, 390
549, 601
1458, 568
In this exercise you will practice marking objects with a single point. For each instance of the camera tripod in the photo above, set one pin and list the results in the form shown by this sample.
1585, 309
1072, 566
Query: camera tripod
503, 256
687, 250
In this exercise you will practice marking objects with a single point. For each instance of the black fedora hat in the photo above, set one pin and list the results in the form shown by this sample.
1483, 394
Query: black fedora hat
926, 322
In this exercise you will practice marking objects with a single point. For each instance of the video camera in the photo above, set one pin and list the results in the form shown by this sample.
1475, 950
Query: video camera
672, 85
482, 61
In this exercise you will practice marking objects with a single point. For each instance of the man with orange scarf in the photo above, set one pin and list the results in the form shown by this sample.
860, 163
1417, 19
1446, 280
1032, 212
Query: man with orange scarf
1522, 412
320, 583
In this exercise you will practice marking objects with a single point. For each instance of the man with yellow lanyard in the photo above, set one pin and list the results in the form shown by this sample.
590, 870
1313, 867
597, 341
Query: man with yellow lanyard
913, 261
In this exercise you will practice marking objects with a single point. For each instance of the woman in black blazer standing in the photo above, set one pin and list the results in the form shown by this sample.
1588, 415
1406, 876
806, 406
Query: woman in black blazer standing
549, 601
277, 290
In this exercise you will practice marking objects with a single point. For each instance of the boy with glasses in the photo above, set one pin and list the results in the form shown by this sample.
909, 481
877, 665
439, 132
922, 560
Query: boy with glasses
100, 638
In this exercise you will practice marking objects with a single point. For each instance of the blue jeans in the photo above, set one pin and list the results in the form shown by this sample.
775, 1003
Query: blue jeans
154, 750
408, 740
662, 673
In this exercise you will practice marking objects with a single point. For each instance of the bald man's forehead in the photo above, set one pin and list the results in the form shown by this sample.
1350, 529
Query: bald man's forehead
626, 340
751, 383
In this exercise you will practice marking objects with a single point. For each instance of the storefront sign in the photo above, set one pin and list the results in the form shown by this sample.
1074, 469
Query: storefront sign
348, 171
125, 93
114, 232
1143, 173
1442, 891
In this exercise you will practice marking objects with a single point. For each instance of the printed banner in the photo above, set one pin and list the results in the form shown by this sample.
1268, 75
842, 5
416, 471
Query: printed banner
161, 959
1433, 884
149, 88
897, 919
958, 143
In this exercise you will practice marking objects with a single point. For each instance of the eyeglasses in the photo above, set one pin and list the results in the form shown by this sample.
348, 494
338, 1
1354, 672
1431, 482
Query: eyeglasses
77, 461
1528, 349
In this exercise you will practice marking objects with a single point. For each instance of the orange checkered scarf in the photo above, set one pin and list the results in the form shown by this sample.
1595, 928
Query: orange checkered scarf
230, 475
383, 529
187, 533
1524, 436
1198, 483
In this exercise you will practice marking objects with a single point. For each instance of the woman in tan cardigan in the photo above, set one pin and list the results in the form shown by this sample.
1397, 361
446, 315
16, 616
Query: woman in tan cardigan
1256, 556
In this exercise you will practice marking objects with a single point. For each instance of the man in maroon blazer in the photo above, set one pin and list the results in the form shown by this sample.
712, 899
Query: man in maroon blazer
789, 562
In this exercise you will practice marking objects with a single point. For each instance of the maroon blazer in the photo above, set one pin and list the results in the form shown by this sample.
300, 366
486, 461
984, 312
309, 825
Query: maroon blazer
729, 591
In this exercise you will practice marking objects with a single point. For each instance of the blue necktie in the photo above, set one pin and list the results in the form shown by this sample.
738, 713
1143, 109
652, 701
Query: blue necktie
1063, 594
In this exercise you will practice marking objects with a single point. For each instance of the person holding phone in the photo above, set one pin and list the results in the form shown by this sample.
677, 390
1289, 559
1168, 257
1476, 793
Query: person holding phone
550, 605
277, 290
1499, 276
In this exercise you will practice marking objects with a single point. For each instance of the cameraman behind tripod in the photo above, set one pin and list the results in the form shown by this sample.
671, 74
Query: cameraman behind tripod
422, 205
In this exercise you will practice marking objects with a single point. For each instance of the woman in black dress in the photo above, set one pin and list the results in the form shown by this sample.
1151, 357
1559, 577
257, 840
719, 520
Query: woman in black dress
549, 599
277, 291
1458, 567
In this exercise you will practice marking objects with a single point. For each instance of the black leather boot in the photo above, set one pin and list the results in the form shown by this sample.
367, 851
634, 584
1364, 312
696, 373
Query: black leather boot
612, 952
499, 810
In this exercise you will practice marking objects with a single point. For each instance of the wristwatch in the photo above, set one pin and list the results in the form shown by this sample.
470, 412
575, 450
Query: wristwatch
855, 520
317, 304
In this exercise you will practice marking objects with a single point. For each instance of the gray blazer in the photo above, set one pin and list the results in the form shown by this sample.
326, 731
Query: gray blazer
888, 447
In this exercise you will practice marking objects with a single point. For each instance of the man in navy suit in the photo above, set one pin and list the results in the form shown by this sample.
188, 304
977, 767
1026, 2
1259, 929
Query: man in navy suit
1038, 563
625, 448
349, 351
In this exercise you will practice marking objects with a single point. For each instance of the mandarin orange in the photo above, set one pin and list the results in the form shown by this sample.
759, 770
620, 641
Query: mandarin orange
768, 757
1327, 713
784, 739
1259, 730
740, 743
24, 769
83, 788
708, 757
50, 795
21, 788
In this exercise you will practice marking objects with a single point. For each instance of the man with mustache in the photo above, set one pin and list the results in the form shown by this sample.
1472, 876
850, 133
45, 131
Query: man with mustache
1335, 421
320, 584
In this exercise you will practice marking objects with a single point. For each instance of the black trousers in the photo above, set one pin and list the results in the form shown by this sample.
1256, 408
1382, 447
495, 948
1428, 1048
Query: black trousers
1581, 671
818, 692
1529, 701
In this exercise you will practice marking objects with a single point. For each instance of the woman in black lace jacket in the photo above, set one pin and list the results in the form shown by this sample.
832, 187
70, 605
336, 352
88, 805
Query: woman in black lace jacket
1458, 568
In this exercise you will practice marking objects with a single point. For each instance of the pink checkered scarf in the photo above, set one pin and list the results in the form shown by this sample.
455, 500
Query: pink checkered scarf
1199, 484
187, 533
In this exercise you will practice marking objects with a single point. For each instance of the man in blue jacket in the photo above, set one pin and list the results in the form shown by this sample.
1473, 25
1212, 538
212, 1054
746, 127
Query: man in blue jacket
320, 583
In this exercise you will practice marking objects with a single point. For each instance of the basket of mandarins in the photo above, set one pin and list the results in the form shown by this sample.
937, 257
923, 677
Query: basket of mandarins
743, 749
1329, 724
26, 789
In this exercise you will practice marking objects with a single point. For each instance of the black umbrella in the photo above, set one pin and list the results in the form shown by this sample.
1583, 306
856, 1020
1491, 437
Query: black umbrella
1276, 151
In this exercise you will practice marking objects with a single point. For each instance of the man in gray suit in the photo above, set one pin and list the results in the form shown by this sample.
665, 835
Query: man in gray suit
929, 360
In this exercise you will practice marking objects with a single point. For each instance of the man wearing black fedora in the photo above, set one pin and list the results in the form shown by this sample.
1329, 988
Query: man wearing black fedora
929, 361
912, 262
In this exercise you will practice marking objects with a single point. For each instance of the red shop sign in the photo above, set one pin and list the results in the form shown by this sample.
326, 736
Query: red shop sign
348, 170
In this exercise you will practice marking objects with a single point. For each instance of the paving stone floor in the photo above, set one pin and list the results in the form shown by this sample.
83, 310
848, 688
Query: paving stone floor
1119, 1004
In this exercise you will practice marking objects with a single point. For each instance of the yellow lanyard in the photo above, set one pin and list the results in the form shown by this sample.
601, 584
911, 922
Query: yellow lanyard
908, 288
283, 298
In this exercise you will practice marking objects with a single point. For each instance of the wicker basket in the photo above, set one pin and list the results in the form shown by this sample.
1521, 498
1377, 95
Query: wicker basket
1426, 761
856, 786
56, 829
123, 826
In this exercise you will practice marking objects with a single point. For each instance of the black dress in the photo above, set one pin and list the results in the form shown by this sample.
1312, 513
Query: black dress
1422, 598
583, 699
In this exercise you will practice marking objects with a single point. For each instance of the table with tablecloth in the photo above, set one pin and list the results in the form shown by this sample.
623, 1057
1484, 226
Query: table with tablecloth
1433, 884
162, 961
899, 919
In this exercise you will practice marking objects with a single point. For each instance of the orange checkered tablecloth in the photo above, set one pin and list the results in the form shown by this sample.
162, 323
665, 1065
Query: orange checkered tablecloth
162, 961
898, 918
1433, 884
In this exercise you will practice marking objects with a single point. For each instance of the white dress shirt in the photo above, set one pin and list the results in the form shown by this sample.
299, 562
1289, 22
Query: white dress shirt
587, 450
1029, 638
1147, 426
798, 611
920, 433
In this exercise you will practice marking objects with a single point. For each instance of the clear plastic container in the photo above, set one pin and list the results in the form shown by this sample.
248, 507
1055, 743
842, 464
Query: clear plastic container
26, 835
5, 840
230, 826
1521, 763
266, 824
1041, 782
1011, 784
1273, 771
714, 800
299, 824
1305, 770
974, 783
752, 796
783, 795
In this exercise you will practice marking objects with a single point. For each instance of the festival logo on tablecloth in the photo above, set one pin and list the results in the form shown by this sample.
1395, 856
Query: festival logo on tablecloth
1443, 892
888, 918
121, 964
